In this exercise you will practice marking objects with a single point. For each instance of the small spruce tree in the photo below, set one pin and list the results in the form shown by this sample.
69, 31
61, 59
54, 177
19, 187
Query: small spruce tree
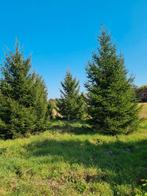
70, 102
111, 96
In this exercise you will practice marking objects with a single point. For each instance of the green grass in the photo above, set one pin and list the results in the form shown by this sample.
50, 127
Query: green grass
71, 160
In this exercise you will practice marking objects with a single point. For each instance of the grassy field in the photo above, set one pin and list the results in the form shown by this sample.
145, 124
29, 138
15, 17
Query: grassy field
69, 160
59, 162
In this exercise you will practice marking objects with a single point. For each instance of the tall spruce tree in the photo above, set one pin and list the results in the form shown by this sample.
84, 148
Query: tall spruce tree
111, 96
23, 98
70, 102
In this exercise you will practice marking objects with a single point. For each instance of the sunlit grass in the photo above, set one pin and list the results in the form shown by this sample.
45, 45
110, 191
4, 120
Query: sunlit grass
60, 162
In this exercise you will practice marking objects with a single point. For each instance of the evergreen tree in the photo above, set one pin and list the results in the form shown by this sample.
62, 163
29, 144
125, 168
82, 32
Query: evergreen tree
111, 96
82, 112
70, 102
39, 101
23, 97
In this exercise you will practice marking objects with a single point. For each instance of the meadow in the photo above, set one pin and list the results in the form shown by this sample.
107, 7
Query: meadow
71, 159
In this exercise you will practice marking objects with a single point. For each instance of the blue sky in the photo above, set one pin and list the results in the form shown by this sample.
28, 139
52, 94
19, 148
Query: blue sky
61, 35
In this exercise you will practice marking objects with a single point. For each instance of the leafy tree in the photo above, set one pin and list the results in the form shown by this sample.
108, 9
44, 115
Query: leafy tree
71, 101
23, 97
111, 96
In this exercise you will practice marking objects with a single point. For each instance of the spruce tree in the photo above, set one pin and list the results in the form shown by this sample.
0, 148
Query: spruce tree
23, 97
39, 101
70, 101
111, 96
82, 112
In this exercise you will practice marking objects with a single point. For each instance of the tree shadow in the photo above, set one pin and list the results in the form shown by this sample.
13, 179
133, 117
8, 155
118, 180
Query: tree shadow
122, 162
71, 127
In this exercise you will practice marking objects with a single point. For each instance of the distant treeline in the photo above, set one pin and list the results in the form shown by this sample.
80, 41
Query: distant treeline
109, 104
141, 93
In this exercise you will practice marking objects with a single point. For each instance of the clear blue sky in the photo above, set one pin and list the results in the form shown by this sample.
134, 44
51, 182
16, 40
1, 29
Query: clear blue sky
62, 34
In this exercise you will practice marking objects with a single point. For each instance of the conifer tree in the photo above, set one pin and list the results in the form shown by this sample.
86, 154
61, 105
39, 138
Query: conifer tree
23, 97
82, 112
70, 102
111, 96
39, 101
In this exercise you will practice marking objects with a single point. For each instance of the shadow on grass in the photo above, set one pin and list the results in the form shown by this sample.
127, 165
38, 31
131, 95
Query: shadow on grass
123, 162
71, 127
